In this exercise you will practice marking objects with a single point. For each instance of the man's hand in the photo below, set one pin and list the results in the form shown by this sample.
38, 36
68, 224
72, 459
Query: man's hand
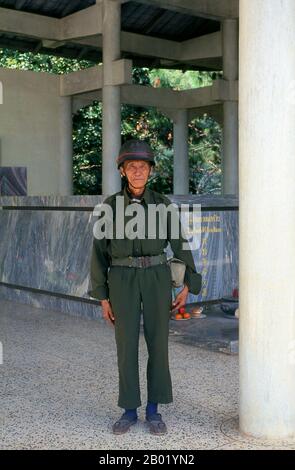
107, 312
180, 299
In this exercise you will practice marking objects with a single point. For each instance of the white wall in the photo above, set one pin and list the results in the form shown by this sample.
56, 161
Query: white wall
32, 133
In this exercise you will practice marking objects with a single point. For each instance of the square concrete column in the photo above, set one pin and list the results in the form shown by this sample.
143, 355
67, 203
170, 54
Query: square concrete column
180, 147
66, 147
267, 218
111, 115
230, 41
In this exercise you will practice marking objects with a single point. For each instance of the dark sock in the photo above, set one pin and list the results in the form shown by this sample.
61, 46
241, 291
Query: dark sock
132, 413
151, 408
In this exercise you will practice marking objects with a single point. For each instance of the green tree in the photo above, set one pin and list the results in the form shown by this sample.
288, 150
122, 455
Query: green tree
137, 122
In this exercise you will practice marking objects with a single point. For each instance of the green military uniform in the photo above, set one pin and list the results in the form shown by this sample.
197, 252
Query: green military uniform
128, 287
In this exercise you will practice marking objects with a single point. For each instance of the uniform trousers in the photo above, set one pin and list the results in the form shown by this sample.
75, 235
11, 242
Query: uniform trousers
129, 288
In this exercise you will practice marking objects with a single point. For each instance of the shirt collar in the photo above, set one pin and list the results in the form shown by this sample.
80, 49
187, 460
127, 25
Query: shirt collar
146, 196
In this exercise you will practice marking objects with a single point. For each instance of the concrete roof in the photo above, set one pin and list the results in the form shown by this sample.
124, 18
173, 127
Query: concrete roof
140, 17
53, 8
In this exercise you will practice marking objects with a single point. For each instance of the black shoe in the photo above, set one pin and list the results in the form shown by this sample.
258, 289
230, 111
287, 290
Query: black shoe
156, 424
123, 424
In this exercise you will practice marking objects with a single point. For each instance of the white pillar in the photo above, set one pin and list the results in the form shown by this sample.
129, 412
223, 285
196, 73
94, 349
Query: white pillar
230, 40
66, 147
111, 116
180, 147
267, 218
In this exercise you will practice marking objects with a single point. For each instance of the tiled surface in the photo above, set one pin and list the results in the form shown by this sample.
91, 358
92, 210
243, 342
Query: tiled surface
59, 389
230, 429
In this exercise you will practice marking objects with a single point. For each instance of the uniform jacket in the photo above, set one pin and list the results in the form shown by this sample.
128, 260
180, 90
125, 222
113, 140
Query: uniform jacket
104, 249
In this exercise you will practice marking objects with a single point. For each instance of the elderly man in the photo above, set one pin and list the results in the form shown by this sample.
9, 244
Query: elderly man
129, 273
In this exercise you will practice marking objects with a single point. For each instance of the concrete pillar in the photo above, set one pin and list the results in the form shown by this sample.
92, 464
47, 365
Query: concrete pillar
180, 146
230, 42
66, 147
267, 218
111, 116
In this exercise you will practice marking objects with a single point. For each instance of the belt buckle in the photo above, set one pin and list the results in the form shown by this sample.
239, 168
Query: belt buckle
140, 261
135, 261
146, 261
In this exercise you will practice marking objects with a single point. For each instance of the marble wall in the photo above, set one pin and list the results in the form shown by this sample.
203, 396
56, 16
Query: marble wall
46, 245
216, 253
13, 181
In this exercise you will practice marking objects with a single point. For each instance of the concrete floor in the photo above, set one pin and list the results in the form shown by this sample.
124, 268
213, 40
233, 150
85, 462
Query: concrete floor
217, 331
59, 389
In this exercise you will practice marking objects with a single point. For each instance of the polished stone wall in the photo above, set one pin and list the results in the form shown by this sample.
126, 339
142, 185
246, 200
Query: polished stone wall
13, 181
46, 245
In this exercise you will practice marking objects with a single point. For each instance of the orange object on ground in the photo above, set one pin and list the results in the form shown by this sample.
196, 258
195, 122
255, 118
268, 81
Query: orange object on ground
178, 316
186, 315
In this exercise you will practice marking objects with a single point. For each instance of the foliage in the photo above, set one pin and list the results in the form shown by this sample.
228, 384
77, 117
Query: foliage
87, 148
40, 62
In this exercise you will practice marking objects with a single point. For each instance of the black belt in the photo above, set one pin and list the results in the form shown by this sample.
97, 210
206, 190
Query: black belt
140, 261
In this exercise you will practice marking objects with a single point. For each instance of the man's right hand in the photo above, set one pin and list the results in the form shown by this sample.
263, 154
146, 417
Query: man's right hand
107, 312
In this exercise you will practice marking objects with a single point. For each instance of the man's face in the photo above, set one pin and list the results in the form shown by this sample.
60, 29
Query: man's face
137, 172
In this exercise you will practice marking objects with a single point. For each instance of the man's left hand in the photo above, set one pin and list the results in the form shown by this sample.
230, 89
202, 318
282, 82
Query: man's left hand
180, 299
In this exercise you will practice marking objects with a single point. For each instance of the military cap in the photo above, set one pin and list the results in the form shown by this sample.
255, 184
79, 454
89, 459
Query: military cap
135, 149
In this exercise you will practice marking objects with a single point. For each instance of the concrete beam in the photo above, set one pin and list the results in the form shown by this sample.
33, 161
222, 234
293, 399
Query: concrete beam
49, 44
83, 23
121, 74
29, 24
85, 28
130, 94
86, 80
207, 46
215, 111
196, 98
204, 47
150, 46
212, 9
214, 63
139, 95
225, 90
81, 81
